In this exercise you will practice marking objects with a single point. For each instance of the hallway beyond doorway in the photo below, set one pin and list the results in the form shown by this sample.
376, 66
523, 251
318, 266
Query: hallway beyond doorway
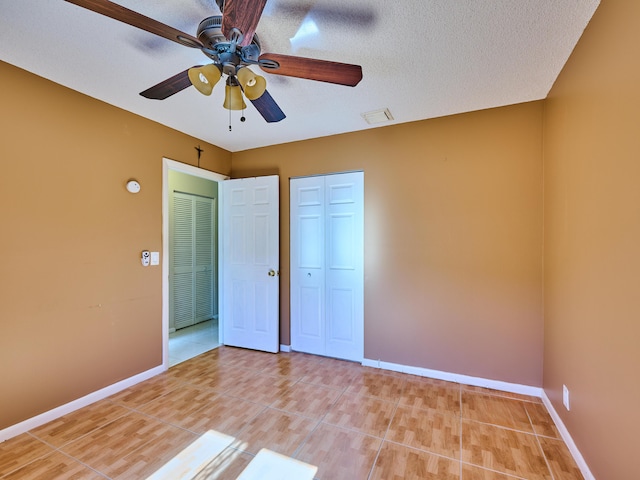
189, 342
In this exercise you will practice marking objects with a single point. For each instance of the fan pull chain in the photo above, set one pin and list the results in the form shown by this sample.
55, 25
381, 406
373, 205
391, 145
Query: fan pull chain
242, 118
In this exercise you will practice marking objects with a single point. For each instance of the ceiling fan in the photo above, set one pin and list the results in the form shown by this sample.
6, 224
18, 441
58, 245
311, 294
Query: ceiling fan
230, 41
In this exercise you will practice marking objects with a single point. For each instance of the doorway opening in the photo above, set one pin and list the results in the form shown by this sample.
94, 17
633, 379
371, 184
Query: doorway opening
189, 342
196, 337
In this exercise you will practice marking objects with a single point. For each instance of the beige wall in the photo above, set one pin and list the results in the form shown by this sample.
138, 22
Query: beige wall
453, 240
592, 241
453, 237
77, 310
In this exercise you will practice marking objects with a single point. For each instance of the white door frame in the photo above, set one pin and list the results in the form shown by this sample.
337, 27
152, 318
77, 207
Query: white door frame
168, 164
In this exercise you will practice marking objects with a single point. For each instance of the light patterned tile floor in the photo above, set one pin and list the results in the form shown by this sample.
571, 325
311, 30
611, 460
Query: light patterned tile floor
353, 422
192, 341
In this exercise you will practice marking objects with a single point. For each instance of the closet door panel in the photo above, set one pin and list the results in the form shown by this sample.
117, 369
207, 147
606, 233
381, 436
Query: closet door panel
344, 272
340, 320
182, 300
307, 265
204, 259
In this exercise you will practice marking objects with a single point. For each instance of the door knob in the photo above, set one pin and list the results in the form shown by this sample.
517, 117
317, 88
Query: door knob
272, 273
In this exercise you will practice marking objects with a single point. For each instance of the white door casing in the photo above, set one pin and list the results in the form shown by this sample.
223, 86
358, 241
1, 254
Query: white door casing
327, 265
250, 310
167, 166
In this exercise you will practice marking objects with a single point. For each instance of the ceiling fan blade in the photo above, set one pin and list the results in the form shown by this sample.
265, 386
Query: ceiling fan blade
243, 15
346, 15
122, 14
268, 108
172, 85
311, 69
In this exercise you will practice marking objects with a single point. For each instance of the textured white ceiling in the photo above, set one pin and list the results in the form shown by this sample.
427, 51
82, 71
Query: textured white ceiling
420, 58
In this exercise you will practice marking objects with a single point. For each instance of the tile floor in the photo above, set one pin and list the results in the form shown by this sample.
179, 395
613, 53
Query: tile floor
192, 341
353, 422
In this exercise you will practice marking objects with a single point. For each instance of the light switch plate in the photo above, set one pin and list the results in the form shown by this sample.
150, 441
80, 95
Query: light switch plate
155, 258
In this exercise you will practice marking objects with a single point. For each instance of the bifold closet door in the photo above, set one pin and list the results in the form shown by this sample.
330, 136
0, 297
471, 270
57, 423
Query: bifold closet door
327, 265
192, 255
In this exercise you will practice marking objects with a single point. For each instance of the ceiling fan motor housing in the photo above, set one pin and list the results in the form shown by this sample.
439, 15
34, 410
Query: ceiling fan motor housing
210, 31
223, 51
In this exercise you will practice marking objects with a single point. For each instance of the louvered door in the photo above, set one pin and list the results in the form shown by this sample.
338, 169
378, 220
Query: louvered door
193, 255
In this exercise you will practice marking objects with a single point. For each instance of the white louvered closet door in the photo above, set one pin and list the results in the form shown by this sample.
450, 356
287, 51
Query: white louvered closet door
192, 260
204, 277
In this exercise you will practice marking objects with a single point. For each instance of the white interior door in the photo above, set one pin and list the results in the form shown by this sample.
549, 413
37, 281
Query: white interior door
327, 265
251, 263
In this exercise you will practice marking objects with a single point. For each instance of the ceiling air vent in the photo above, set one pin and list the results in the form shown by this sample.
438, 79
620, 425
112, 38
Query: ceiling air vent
378, 116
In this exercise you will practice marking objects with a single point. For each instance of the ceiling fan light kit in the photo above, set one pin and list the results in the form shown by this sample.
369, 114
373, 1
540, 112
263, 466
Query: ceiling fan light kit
253, 85
233, 96
230, 42
204, 78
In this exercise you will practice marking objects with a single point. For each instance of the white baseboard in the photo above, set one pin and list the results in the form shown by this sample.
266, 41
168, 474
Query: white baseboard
93, 397
455, 377
496, 385
74, 405
568, 440
285, 348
